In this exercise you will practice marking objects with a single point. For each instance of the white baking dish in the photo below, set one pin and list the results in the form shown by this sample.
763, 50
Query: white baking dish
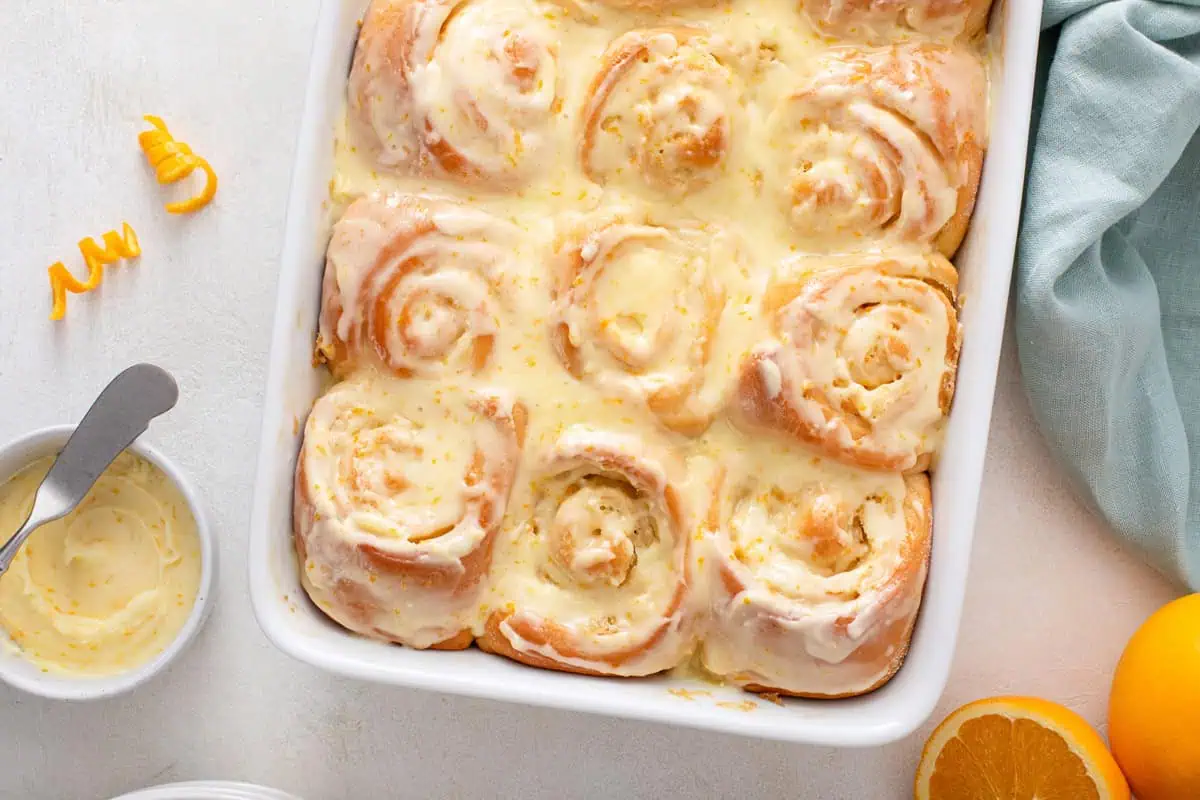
299, 629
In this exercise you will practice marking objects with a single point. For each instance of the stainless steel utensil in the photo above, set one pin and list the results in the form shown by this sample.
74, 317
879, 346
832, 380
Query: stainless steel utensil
118, 416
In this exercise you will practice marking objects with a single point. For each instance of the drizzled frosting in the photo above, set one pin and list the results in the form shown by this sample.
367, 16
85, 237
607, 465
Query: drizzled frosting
637, 309
466, 88
863, 366
815, 582
660, 110
595, 575
881, 21
416, 283
398, 496
883, 146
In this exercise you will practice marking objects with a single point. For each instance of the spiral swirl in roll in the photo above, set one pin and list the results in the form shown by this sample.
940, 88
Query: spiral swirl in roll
399, 495
415, 284
597, 577
459, 88
816, 587
659, 111
864, 359
883, 146
878, 21
636, 309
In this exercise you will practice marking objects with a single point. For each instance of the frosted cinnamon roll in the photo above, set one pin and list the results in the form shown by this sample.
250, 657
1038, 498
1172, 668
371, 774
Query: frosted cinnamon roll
460, 88
885, 20
399, 495
595, 577
659, 111
415, 285
883, 146
817, 583
863, 361
636, 309
654, 5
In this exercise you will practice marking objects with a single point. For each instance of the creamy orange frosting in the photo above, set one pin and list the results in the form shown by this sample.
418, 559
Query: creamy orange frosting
462, 87
642, 311
415, 285
815, 575
595, 577
882, 21
399, 494
882, 145
864, 359
108, 587
663, 103
688, 256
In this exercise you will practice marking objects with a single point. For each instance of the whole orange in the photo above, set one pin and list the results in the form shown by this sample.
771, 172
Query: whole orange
1154, 709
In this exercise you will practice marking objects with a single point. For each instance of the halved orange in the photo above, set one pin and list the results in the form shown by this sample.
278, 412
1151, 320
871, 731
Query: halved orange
1017, 748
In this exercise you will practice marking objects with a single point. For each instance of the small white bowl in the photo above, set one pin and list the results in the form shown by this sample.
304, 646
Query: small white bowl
207, 790
22, 674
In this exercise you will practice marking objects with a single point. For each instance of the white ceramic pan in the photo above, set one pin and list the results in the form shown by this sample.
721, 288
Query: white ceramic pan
299, 629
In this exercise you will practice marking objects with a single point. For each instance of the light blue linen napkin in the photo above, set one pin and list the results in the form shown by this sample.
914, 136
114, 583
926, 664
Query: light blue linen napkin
1108, 266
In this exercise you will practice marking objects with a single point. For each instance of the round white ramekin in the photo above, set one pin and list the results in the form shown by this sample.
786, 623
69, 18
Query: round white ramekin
16, 671
207, 790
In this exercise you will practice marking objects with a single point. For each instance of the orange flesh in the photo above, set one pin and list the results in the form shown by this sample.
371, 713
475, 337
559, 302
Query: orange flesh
997, 757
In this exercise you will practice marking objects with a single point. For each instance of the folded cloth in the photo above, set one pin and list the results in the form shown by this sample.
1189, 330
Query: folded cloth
1108, 266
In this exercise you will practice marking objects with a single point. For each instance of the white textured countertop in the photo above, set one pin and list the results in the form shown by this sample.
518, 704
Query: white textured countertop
1052, 598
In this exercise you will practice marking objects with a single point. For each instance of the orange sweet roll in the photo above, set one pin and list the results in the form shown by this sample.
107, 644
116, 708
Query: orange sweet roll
173, 161
660, 112
116, 246
465, 89
816, 573
863, 361
415, 285
399, 494
880, 21
608, 12
594, 577
882, 146
637, 309
655, 6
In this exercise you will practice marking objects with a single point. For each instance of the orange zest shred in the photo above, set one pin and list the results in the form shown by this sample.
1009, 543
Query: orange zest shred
173, 161
117, 246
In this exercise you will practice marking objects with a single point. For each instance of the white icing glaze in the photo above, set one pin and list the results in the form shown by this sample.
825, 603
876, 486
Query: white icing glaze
600, 552
660, 111
467, 87
882, 21
772, 378
418, 283
865, 357
397, 489
804, 568
644, 237
875, 144
640, 313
